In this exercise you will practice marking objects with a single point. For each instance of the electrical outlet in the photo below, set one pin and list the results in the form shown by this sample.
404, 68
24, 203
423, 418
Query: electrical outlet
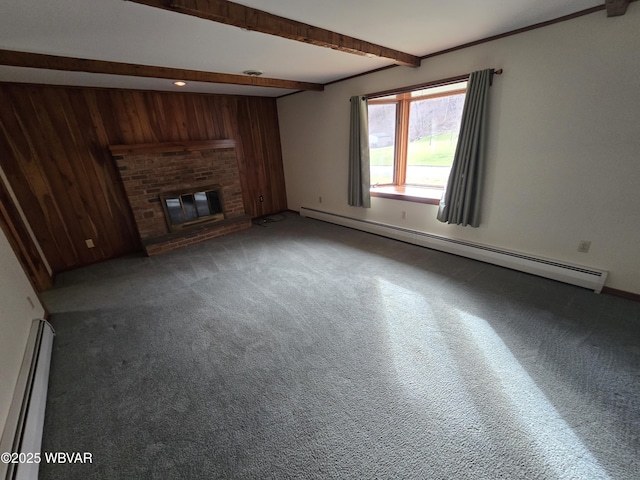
583, 246
261, 198
404, 215
89, 243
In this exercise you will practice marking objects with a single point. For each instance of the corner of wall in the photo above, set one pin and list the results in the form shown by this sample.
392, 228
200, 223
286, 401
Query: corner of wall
19, 305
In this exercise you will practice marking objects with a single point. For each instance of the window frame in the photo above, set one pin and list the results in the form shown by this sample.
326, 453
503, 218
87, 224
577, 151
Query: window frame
403, 98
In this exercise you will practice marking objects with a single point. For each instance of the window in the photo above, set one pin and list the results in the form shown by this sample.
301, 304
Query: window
413, 137
189, 208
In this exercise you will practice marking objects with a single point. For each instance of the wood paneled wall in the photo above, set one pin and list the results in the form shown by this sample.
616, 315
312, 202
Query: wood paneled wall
21, 242
53, 149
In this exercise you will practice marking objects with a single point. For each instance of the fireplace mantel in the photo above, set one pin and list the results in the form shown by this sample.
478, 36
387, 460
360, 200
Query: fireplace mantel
170, 147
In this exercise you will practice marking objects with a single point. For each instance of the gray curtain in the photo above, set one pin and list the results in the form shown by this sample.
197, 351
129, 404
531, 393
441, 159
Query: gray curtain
359, 175
460, 203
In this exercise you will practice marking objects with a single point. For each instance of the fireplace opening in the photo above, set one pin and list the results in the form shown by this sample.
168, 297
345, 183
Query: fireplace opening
183, 209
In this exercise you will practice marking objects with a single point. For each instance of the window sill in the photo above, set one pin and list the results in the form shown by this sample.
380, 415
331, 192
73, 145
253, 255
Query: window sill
408, 193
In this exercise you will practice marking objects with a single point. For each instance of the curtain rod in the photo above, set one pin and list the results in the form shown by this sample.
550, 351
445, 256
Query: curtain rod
445, 81
494, 72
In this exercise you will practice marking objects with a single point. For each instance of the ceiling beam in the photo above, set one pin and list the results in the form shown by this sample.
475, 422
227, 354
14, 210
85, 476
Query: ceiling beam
616, 8
70, 64
230, 13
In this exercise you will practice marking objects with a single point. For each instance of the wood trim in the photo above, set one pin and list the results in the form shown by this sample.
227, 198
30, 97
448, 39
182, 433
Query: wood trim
405, 197
411, 98
402, 143
419, 86
621, 293
71, 64
517, 31
22, 244
616, 8
535, 26
84, 88
229, 13
170, 147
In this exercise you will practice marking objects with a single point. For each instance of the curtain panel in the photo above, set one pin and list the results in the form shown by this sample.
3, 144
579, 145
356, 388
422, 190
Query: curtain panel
460, 203
359, 175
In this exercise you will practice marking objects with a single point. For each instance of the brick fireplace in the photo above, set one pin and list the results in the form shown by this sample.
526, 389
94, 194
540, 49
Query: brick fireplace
155, 174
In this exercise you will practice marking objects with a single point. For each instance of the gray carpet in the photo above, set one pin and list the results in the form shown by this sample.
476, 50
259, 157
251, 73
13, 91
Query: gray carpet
306, 350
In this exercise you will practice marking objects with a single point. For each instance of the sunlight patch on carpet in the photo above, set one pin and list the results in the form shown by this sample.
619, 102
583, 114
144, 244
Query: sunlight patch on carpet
553, 437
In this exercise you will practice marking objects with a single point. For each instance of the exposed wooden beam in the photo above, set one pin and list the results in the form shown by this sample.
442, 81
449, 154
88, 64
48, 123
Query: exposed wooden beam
230, 13
616, 8
70, 64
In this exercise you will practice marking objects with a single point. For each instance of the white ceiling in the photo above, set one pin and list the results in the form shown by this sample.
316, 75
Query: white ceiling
122, 31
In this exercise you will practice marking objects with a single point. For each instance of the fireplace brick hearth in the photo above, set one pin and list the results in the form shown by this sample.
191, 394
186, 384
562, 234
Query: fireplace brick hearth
151, 170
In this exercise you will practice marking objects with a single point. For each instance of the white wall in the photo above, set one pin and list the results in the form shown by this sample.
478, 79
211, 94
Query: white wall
16, 315
564, 146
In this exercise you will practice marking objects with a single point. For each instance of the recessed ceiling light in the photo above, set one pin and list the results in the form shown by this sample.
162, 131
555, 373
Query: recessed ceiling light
179, 84
253, 73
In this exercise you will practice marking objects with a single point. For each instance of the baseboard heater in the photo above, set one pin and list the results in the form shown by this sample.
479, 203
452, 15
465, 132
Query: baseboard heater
581, 276
22, 435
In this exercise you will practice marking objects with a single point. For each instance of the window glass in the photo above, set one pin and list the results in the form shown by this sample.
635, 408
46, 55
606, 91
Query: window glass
434, 124
202, 206
382, 139
189, 207
442, 89
214, 201
175, 210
